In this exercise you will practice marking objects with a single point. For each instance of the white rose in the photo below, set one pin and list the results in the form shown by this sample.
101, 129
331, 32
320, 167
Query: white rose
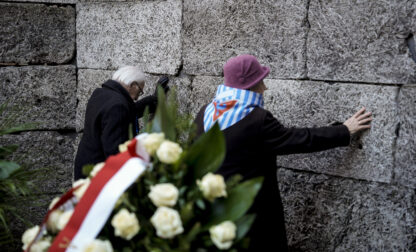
126, 225
41, 245
152, 142
63, 219
223, 234
164, 194
53, 202
167, 222
81, 190
53, 219
212, 186
98, 246
123, 147
96, 169
29, 235
169, 152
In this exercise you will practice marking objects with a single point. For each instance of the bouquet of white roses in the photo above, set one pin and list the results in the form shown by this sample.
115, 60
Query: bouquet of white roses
153, 196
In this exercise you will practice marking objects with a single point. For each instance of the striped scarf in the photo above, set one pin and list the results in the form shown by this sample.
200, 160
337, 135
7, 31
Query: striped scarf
229, 106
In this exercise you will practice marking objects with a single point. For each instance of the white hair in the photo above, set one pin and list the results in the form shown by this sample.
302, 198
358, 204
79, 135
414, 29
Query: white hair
129, 74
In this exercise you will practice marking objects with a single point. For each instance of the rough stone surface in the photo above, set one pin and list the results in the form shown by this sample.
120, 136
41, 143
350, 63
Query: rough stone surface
90, 79
25, 38
46, 1
45, 149
110, 35
362, 41
313, 104
324, 213
405, 154
44, 94
203, 91
274, 31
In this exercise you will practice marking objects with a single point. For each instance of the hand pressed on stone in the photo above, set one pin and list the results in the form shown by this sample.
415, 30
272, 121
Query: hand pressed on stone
359, 121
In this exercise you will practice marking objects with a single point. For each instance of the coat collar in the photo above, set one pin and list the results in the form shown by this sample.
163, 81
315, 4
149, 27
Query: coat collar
114, 85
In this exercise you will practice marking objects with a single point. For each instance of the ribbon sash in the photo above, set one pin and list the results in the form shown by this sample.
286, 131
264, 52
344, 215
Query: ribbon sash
97, 203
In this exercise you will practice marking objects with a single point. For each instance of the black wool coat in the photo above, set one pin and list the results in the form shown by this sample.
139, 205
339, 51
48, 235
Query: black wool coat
110, 111
251, 148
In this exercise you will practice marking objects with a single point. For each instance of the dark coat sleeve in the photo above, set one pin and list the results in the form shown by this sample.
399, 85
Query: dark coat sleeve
114, 125
280, 140
148, 101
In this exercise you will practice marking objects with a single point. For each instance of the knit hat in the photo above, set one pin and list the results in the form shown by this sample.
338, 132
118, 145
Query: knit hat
243, 72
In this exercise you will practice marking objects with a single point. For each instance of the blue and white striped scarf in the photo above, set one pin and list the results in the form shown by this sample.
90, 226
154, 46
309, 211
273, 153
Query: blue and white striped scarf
230, 105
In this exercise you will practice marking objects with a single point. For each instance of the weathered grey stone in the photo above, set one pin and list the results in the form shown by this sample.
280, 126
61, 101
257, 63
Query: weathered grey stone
405, 154
45, 149
47, 1
43, 94
203, 91
311, 104
76, 143
90, 1
363, 41
274, 31
89, 80
36, 34
110, 35
324, 213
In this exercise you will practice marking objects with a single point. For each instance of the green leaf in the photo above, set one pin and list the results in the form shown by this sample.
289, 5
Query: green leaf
187, 212
163, 120
200, 203
7, 150
207, 153
6, 168
86, 169
194, 232
131, 131
19, 128
146, 120
238, 201
244, 225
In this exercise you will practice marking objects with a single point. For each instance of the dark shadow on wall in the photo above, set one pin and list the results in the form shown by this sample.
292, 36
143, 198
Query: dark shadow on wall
412, 46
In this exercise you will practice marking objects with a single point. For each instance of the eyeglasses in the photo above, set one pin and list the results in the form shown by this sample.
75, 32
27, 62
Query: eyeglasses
140, 87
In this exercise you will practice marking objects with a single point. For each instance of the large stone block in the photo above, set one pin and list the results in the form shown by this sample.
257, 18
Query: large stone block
274, 31
90, 79
312, 104
405, 153
110, 35
362, 41
324, 213
45, 149
43, 94
48, 1
36, 34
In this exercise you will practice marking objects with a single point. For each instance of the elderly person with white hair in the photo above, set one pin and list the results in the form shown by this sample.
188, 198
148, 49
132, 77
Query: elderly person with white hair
111, 109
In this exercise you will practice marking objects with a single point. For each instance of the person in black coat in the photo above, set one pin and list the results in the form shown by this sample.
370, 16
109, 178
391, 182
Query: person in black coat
110, 112
254, 137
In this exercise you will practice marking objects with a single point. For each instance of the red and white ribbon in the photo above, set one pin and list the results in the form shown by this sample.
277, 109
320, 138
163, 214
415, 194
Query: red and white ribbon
91, 213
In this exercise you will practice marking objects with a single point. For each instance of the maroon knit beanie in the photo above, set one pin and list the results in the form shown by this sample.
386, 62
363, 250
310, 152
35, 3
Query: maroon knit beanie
243, 72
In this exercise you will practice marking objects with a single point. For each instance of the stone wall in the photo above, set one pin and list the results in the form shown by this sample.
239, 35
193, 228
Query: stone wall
328, 58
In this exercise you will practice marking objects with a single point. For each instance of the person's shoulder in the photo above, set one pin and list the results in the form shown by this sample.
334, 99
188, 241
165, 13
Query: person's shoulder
261, 113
